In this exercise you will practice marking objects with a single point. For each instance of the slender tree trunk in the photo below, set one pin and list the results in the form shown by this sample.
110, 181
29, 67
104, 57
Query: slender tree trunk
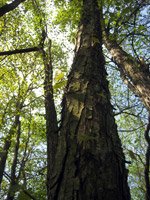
51, 117
147, 162
134, 73
89, 163
14, 179
4, 153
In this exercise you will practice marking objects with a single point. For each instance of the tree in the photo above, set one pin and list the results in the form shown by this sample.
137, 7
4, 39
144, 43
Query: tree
18, 118
14, 180
125, 32
125, 27
51, 116
89, 162
133, 67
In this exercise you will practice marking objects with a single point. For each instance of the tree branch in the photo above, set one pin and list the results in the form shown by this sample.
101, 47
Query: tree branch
134, 74
17, 51
9, 7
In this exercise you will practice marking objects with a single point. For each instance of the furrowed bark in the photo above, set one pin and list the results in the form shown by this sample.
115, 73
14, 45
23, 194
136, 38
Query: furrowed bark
134, 73
89, 163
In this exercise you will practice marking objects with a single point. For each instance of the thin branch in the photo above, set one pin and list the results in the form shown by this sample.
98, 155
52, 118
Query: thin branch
135, 10
17, 51
122, 111
133, 38
29, 194
131, 130
9, 7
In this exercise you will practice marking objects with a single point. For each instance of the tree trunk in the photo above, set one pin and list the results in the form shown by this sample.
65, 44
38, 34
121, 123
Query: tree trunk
14, 179
147, 161
51, 117
89, 163
4, 153
134, 73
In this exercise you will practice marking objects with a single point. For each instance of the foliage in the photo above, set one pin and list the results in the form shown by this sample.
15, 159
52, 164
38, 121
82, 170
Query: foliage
131, 118
21, 82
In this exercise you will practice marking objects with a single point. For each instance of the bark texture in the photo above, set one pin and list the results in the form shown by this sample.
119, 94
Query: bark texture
89, 163
135, 73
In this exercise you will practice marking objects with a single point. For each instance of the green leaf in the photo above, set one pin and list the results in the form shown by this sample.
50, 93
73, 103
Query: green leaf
59, 77
60, 85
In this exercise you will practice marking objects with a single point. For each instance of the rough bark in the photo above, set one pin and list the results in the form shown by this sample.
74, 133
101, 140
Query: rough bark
9, 7
89, 163
51, 117
134, 73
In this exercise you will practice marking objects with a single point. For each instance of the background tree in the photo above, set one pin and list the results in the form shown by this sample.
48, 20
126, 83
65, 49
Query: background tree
121, 35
